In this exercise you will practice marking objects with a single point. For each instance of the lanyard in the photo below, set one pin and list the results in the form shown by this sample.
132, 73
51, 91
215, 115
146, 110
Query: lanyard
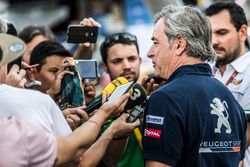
231, 77
138, 136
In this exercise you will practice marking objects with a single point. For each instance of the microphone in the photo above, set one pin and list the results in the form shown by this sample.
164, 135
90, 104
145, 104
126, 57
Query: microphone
136, 102
109, 89
138, 96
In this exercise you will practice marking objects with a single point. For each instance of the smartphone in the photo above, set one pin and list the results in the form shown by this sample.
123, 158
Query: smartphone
116, 94
81, 34
157, 80
34, 85
135, 114
119, 91
87, 68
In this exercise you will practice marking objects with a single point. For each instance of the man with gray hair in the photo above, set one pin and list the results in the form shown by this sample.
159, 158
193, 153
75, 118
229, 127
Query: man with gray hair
193, 119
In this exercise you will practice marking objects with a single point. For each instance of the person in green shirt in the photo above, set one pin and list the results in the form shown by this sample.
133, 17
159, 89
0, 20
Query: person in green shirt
120, 56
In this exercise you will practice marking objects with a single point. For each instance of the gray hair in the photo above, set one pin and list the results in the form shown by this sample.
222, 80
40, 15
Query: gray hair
193, 26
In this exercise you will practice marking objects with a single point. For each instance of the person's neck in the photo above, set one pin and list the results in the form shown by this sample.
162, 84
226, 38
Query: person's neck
184, 60
191, 61
222, 69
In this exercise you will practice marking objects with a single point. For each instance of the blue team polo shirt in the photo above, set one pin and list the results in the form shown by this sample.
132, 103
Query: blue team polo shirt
194, 120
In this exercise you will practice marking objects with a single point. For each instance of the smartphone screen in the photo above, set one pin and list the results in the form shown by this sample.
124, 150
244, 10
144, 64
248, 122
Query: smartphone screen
82, 34
87, 68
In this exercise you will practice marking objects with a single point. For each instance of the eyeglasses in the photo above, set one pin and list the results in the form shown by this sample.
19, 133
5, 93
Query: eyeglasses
119, 38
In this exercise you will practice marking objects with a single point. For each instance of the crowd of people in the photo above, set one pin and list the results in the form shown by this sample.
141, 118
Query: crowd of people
196, 112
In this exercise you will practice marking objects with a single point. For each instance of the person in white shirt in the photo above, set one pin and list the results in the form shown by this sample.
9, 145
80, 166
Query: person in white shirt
232, 68
31, 106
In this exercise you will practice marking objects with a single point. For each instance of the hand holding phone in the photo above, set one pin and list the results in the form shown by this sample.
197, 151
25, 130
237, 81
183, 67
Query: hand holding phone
135, 114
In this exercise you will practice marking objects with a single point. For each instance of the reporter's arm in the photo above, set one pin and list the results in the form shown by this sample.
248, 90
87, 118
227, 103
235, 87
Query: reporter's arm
118, 129
86, 134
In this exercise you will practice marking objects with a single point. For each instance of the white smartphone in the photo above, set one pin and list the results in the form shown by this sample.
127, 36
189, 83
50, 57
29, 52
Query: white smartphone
119, 91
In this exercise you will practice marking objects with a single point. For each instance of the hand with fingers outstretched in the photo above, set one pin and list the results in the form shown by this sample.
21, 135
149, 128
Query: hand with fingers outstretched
16, 77
113, 108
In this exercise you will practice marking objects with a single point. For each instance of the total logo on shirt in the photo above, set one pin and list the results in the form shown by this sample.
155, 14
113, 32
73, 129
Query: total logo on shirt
148, 132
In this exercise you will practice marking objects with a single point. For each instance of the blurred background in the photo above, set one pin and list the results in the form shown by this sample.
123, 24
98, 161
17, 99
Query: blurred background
135, 16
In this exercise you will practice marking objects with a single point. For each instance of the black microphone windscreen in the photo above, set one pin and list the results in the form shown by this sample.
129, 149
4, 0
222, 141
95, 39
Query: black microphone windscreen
138, 96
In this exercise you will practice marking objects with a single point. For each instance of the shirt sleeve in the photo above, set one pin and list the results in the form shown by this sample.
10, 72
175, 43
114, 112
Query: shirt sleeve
60, 125
163, 129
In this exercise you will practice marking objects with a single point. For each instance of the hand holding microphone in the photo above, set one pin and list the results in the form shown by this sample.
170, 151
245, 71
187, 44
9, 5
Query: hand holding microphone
137, 97
136, 102
109, 89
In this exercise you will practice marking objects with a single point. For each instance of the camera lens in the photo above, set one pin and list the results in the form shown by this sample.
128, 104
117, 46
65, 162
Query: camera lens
86, 34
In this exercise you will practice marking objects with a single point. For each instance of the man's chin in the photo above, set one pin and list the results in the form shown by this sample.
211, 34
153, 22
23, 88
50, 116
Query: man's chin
220, 57
129, 77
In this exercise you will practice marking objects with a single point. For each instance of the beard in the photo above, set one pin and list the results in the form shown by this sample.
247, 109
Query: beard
229, 56
133, 78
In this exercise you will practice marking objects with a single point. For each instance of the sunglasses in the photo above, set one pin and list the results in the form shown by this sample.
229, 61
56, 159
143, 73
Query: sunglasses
119, 38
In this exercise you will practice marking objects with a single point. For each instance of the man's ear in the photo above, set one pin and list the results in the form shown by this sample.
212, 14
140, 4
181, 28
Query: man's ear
243, 33
180, 44
105, 68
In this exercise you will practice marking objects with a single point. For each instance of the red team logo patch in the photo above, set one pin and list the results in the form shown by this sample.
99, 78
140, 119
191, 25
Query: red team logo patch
152, 133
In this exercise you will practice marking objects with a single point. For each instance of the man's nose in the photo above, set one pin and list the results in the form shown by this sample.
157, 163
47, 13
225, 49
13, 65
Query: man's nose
150, 53
126, 64
215, 40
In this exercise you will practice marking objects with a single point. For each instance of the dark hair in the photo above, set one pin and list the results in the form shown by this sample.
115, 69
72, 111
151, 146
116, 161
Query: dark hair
46, 49
29, 32
123, 38
237, 14
11, 29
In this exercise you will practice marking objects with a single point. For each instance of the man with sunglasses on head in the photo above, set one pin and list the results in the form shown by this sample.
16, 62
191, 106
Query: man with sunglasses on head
120, 56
